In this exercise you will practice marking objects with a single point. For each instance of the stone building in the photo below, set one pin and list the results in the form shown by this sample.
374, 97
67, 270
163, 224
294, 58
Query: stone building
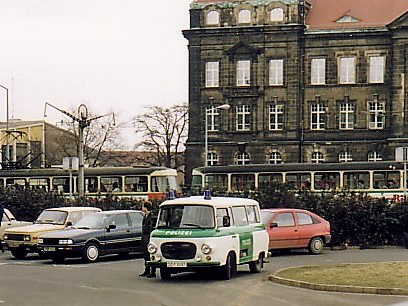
306, 81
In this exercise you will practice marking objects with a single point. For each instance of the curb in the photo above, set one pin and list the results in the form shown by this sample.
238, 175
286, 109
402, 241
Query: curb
335, 288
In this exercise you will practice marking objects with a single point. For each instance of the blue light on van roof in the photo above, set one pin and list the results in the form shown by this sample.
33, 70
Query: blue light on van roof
171, 195
207, 195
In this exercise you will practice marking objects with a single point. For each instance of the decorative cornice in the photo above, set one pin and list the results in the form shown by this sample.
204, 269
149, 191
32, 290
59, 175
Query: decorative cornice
232, 4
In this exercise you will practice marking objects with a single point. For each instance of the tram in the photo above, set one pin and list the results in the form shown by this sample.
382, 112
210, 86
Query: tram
378, 179
138, 182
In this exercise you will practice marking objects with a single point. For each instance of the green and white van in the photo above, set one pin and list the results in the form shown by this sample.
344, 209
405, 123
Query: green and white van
197, 233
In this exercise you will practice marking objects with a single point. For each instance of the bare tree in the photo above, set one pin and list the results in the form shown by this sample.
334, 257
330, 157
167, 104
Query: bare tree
101, 139
163, 131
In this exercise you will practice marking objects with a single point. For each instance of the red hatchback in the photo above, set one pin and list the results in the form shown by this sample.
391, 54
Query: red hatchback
290, 228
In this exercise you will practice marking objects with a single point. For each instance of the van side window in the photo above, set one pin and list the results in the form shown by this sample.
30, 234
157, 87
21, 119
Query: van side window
240, 216
285, 219
253, 217
221, 213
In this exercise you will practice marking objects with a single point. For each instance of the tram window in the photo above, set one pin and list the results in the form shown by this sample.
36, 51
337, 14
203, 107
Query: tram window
326, 180
242, 182
386, 180
108, 184
219, 181
39, 183
197, 182
270, 178
136, 184
298, 180
356, 180
160, 184
61, 184
15, 182
91, 184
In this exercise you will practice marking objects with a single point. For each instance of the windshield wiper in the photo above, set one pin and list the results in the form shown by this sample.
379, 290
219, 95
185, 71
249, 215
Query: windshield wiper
193, 224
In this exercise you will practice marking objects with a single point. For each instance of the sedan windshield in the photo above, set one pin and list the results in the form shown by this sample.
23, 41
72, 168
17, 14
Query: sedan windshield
266, 216
186, 216
95, 221
52, 217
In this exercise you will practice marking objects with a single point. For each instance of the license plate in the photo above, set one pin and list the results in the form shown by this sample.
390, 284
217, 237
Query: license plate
49, 249
176, 264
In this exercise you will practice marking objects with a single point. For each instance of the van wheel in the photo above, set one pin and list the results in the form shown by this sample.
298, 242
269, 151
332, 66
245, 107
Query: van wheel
91, 252
165, 274
230, 267
19, 253
316, 245
257, 265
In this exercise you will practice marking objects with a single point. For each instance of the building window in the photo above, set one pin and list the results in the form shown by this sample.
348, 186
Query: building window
242, 158
212, 74
345, 157
275, 158
377, 68
212, 159
213, 119
243, 73
346, 116
374, 156
244, 16
213, 18
317, 157
243, 117
276, 72
276, 14
347, 70
318, 71
318, 116
275, 117
376, 113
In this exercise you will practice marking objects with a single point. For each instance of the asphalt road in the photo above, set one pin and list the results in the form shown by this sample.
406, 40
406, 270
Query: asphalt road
115, 281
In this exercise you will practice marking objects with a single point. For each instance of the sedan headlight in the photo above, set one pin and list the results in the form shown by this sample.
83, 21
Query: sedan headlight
206, 249
40, 240
66, 241
152, 248
5, 237
27, 237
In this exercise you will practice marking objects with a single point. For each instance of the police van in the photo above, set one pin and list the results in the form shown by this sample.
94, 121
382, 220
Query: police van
198, 233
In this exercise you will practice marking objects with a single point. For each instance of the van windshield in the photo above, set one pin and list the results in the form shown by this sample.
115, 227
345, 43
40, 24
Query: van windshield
186, 216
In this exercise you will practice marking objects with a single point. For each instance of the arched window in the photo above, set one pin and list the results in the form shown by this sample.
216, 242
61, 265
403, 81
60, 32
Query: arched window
212, 159
276, 14
345, 157
242, 158
317, 157
275, 158
244, 16
213, 18
374, 156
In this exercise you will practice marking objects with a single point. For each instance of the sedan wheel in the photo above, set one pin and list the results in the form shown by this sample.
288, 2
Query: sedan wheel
19, 253
91, 252
316, 246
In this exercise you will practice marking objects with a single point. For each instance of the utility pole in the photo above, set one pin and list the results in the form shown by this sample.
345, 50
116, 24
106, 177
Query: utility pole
83, 122
7, 127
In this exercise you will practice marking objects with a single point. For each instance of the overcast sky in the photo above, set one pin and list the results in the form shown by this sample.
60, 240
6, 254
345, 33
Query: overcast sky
116, 55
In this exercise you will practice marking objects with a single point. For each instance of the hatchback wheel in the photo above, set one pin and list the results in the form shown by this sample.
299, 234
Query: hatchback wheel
316, 245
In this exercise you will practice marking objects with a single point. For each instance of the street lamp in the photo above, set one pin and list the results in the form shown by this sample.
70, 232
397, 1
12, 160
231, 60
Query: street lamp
225, 107
7, 125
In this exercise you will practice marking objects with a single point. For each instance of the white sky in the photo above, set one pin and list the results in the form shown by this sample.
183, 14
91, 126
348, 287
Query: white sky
112, 55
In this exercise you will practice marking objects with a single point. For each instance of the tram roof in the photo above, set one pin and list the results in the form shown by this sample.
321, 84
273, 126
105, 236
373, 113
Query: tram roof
298, 167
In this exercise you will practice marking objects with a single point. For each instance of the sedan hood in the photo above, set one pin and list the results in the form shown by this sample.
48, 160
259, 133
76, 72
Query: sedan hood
71, 233
34, 229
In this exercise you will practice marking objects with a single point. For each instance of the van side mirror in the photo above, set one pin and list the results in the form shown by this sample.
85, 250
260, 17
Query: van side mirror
272, 225
111, 227
69, 223
226, 221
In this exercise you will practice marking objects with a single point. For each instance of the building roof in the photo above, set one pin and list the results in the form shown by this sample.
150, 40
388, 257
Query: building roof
354, 14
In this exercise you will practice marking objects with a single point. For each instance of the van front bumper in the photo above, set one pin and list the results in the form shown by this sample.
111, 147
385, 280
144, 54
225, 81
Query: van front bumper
189, 265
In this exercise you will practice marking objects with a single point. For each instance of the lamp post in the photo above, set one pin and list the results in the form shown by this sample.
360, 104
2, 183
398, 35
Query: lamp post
7, 126
225, 107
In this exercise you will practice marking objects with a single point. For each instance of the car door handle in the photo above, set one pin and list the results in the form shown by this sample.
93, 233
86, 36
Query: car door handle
296, 230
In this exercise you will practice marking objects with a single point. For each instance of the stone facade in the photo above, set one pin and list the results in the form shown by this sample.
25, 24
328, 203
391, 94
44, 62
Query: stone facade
351, 114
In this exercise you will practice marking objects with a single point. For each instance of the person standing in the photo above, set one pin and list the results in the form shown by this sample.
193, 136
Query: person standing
149, 222
1, 219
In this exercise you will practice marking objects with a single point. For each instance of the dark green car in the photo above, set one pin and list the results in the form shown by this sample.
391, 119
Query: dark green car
95, 235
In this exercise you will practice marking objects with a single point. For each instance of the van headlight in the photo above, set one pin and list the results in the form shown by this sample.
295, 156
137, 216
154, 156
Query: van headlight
206, 249
66, 241
152, 248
